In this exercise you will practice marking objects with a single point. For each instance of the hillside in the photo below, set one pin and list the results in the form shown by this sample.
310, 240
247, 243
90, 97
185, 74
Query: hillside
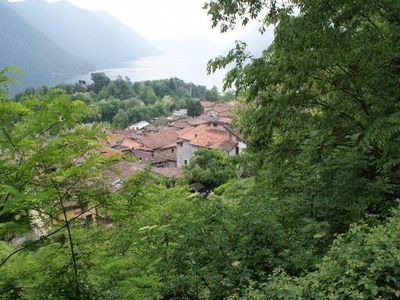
39, 58
95, 37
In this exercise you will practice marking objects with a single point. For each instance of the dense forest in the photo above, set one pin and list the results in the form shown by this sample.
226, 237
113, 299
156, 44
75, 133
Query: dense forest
121, 102
309, 211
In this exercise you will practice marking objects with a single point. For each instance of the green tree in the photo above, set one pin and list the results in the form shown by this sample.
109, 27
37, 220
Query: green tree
194, 108
120, 120
320, 114
362, 264
212, 95
211, 167
147, 95
47, 162
320, 101
108, 108
100, 80
5, 77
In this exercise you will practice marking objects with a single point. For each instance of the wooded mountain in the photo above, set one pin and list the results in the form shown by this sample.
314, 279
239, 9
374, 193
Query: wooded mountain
52, 42
39, 58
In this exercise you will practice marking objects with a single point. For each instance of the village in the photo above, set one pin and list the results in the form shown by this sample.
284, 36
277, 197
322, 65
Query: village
169, 147
165, 149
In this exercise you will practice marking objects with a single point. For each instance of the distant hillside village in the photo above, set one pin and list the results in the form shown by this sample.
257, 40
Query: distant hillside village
169, 147
166, 148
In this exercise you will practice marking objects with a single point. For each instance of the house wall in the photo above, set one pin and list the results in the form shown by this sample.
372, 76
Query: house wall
39, 223
169, 152
184, 152
241, 147
165, 164
73, 212
171, 164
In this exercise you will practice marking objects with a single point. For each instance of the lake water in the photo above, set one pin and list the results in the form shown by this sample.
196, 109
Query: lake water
190, 68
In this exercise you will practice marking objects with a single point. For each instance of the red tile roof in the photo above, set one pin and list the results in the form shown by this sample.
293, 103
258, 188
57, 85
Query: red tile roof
133, 144
110, 152
168, 172
211, 137
224, 109
149, 157
180, 124
206, 104
160, 139
122, 170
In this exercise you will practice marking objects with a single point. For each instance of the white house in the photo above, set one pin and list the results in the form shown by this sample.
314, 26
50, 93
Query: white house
139, 125
210, 136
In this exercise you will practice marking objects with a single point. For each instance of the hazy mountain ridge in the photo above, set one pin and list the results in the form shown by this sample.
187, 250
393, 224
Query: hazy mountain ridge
39, 58
92, 36
52, 42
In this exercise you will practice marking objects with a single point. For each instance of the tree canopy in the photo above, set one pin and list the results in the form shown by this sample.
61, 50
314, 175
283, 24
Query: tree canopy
312, 214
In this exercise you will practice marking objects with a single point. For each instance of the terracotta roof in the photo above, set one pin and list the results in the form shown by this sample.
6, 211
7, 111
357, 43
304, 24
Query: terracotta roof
126, 133
184, 130
168, 172
149, 157
160, 139
121, 148
206, 104
173, 145
198, 121
228, 144
180, 124
209, 136
122, 170
114, 138
224, 109
110, 152
133, 144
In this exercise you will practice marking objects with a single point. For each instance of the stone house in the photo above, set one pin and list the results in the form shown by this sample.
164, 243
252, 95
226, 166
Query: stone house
211, 136
154, 160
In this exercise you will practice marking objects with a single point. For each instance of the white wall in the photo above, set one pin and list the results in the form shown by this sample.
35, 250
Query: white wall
241, 146
184, 151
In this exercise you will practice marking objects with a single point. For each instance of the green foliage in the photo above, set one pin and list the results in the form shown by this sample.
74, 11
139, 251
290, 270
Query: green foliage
211, 167
315, 221
100, 81
48, 161
147, 100
318, 101
5, 79
212, 95
362, 264
321, 112
120, 120
194, 108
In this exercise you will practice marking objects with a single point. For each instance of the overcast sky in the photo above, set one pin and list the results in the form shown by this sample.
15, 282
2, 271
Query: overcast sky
162, 19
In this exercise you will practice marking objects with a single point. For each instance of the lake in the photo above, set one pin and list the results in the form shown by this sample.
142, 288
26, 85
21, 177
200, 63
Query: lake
190, 68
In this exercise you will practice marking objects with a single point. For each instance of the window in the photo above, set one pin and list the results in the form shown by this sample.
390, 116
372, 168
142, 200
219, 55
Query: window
172, 150
185, 162
237, 150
